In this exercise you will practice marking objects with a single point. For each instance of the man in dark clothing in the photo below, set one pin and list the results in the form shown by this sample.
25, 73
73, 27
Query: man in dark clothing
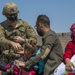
51, 50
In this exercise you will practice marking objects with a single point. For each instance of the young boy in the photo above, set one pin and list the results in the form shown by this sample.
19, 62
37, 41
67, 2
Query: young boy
30, 52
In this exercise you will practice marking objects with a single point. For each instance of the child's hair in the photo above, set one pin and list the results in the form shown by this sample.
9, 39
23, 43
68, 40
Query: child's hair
30, 49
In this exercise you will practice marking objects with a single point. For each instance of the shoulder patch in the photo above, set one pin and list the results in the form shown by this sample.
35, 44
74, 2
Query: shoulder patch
46, 53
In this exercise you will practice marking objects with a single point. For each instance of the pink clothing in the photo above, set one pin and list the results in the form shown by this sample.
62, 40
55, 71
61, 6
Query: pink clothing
71, 74
20, 71
69, 51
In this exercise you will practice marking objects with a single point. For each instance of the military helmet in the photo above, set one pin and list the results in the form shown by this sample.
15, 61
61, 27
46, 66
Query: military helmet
10, 8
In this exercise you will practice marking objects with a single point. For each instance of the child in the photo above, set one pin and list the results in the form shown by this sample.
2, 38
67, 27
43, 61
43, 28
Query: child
30, 52
27, 54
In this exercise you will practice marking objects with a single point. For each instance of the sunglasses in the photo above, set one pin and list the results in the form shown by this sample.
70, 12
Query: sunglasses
11, 14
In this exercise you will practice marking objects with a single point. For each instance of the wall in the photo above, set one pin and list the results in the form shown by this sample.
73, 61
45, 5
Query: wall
64, 38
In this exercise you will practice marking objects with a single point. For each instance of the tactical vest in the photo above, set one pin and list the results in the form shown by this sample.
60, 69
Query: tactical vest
8, 54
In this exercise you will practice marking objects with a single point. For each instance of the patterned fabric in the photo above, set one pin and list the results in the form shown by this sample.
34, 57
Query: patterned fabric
10, 8
7, 32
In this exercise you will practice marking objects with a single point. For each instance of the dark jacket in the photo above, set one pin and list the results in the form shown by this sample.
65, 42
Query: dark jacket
51, 52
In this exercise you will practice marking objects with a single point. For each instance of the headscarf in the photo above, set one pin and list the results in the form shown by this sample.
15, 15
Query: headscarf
73, 32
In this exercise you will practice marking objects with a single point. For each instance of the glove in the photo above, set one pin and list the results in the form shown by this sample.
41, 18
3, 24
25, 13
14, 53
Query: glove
27, 68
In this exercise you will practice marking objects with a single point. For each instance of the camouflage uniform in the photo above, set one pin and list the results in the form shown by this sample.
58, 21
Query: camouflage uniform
7, 32
10, 8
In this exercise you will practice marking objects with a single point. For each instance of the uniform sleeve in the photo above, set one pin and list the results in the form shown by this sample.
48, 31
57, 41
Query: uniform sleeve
47, 47
68, 51
45, 50
30, 34
3, 40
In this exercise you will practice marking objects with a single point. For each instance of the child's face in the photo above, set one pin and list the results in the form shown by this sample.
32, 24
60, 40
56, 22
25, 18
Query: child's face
29, 52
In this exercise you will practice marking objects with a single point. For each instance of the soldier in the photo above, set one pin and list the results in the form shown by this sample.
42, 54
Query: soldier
14, 33
51, 50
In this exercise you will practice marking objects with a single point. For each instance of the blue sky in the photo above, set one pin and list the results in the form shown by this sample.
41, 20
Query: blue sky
60, 12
